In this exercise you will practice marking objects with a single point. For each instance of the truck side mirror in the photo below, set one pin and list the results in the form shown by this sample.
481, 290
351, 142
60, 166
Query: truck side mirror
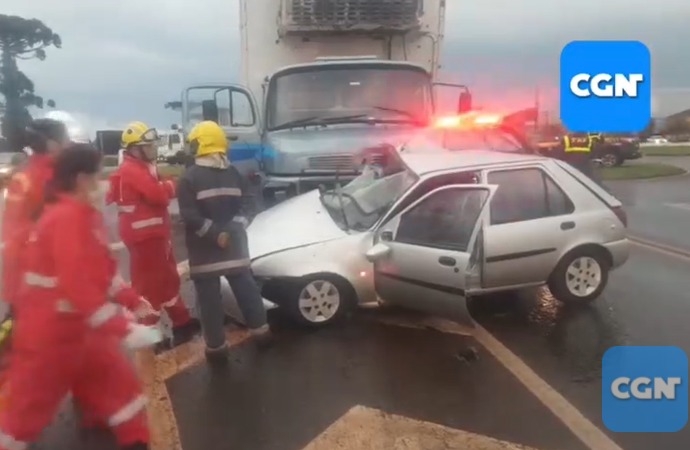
464, 102
174, 127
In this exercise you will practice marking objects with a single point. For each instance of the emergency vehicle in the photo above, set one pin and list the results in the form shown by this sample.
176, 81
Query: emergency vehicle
321, 80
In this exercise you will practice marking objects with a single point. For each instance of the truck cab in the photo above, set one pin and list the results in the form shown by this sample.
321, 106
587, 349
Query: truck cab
324, 79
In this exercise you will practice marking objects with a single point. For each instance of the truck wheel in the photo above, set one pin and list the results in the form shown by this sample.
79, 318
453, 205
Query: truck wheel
580, 277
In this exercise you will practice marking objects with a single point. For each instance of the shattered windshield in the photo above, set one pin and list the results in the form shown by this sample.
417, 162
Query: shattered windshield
384, 94
362, 202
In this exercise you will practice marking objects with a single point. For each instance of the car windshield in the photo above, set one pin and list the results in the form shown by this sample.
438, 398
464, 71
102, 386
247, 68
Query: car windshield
362, 202
377, 93
493, 139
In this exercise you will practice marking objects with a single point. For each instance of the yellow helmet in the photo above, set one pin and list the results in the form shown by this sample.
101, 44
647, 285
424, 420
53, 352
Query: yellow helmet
137, 133
207, 138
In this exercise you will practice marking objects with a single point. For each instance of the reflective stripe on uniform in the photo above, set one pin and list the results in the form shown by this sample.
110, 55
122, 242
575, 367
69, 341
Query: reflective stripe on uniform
171, 302
126, 208
127, 412
38, 280
147, 223
573, 149
116, 285
218, 192
10, 443
241, 219
204, 228
103, 314
223, 265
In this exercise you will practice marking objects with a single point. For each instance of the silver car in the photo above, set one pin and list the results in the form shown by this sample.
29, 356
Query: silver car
432, 228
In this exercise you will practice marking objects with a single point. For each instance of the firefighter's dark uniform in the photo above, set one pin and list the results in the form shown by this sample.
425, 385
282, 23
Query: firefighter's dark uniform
213, 200
577, 150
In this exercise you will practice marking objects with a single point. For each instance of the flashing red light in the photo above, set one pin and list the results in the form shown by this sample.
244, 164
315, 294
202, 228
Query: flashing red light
468, 121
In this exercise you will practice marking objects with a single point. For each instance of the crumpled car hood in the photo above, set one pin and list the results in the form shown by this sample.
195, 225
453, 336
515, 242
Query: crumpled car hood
296, 222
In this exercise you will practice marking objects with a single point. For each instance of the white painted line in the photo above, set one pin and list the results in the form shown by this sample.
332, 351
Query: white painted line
569, 415
683, 206
660, 248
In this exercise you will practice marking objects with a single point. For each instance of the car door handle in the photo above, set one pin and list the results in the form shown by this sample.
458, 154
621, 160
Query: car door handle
567, 225
447, 261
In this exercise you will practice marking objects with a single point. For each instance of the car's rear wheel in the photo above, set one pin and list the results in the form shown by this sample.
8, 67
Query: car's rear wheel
580, 277
319, 300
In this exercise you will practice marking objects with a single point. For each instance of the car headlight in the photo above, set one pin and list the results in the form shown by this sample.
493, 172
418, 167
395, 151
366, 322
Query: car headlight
5, 170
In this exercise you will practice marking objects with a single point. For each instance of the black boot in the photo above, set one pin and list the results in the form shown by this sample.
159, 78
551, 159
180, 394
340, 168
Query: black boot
262, 337
186, 332
136, 446
217, 357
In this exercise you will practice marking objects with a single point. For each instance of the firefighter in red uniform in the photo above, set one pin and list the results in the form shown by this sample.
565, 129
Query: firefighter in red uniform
60, 308
142, 199
24, 200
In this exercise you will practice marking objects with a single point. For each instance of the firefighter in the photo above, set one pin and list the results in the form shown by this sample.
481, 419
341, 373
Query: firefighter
215, 205
142, 199
61, 310
577, 148
25, 194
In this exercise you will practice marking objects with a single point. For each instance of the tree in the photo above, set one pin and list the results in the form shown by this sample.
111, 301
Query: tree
21, 39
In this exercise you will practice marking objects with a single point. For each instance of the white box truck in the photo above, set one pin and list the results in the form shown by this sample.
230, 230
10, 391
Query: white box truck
324, 79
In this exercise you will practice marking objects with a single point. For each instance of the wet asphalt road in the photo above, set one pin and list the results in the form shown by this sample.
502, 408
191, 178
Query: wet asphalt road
284, 398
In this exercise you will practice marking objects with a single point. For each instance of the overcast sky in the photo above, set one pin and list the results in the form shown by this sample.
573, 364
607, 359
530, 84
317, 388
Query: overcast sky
123, 59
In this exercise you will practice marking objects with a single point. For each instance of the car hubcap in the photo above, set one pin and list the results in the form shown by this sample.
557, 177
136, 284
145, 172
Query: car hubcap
608, 160
583, 276
319, 301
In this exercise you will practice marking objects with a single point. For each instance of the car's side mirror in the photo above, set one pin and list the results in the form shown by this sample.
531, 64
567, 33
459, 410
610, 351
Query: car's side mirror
386, 236
377, 252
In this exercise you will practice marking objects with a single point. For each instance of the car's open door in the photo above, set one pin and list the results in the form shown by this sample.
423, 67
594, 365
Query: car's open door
430, 256
234, 108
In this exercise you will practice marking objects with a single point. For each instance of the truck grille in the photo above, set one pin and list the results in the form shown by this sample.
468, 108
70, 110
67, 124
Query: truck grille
352, 15
345, 163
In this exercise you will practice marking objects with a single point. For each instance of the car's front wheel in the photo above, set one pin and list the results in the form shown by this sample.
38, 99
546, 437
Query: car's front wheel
580, 277
611, 159
319, 300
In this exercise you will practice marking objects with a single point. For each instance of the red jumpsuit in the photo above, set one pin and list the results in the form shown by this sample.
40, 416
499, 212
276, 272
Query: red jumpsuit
144, 223
66, 333
23, 205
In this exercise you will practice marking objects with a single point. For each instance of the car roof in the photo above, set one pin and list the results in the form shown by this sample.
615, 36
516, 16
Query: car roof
424, 162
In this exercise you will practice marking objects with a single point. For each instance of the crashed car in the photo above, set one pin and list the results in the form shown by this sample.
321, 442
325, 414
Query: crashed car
431, 228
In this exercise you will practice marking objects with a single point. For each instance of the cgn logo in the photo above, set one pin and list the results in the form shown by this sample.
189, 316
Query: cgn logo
606, 86
645, 389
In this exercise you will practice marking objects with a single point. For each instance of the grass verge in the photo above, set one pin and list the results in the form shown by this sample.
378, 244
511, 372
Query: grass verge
640, 171
666, 150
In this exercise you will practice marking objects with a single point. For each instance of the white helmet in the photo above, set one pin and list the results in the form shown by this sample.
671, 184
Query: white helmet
75, 130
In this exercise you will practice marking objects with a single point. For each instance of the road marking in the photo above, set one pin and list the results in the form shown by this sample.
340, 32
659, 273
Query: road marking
660, 248
363, 427
569, 415
683, 206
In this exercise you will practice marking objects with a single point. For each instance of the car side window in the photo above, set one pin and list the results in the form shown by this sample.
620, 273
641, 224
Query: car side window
445, 219
526, 194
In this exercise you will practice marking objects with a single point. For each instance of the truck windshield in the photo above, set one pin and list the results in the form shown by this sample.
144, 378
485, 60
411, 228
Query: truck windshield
378, 93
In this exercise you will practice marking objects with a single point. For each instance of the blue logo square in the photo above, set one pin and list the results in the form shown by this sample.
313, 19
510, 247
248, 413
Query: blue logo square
606, 86
644, 389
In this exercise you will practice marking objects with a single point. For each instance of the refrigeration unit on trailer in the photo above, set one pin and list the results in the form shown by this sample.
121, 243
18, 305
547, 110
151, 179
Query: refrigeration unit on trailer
323, 79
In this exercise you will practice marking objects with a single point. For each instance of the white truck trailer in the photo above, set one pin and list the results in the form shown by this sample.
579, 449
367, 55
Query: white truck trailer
324, 79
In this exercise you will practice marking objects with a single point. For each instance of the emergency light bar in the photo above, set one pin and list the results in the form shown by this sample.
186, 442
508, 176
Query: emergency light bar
469, 120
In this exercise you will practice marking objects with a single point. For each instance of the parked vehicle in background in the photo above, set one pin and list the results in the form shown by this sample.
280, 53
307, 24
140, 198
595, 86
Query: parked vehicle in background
170, 145
108, 141
9, 161
427, 229
657, 140
615, 149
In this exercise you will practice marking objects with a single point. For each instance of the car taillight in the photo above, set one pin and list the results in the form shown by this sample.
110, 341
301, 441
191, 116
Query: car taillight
620, 213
